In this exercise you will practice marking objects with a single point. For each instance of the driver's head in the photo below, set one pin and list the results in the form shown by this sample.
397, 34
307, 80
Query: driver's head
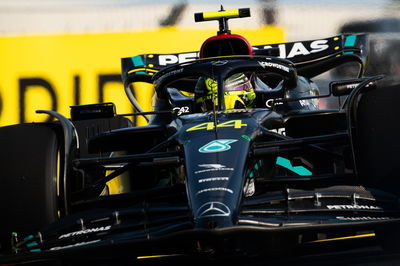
238, 93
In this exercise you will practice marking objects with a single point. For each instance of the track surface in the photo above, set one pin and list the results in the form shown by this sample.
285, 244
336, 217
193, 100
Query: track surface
355, 252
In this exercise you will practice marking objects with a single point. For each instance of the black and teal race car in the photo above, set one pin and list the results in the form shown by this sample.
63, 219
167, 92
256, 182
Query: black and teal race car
267, 173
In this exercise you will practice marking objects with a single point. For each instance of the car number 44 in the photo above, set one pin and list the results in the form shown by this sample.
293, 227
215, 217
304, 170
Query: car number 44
237, 124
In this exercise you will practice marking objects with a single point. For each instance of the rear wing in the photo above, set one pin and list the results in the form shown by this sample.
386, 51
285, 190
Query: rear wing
311, 57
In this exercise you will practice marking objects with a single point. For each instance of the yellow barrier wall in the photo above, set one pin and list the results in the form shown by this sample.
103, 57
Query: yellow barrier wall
53, 72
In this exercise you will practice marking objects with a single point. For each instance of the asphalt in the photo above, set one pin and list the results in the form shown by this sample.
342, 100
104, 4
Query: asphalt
352, 252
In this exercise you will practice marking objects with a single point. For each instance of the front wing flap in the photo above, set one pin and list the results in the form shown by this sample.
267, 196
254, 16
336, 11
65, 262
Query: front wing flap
150, 228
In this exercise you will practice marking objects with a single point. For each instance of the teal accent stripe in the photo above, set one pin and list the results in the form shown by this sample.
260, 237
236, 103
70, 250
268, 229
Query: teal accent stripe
137, 61
300, 170
35, 250
350, 41
32, 244
28, 237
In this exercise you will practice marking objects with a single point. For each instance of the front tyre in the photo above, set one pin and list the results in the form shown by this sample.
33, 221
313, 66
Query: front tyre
28, 178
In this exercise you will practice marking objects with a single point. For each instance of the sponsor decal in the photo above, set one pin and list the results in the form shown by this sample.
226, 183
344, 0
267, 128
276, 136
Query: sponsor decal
212, 168
352, 86
213, 208
280, 131
212, 179
76, 245
86, 231
300, 48
212, 165
273, 65
304, 102
237, 124
213, 189
219, 145
231, 111
353, 207
269, 103
366, 218
286, 50
181, 110
169, 59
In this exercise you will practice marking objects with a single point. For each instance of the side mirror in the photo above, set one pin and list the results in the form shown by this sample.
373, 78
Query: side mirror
344, 87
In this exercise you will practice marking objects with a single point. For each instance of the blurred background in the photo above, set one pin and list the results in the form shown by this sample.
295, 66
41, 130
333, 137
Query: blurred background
300, 18
57, 53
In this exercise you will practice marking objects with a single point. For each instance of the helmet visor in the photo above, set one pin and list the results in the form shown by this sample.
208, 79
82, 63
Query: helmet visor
238, 93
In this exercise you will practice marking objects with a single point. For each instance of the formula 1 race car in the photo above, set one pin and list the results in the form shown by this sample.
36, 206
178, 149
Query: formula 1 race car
237, 159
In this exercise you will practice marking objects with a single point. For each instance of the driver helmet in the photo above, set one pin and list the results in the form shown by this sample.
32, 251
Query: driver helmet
238, 93
238, 90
